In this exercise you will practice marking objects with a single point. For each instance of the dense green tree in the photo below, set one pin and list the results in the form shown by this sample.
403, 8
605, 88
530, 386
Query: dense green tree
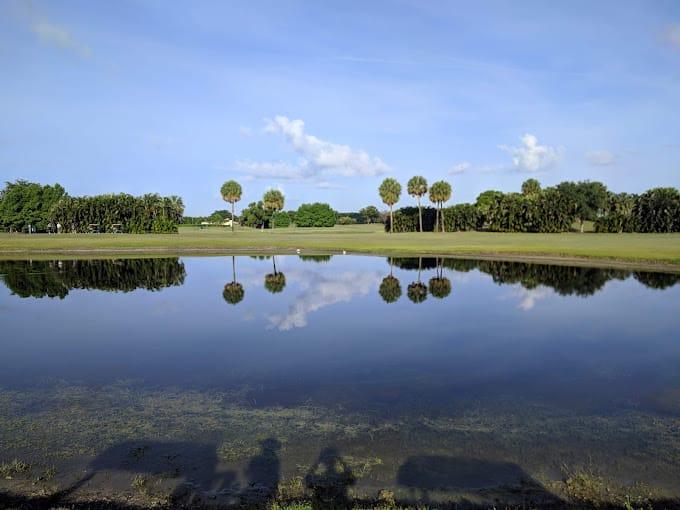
440, 192
417, 291
370, 214
315, 215
24, 203
417, 187
273, 201
231, 192
658, 210
390, 190
617, 215
587, 199
531, 188
255, 216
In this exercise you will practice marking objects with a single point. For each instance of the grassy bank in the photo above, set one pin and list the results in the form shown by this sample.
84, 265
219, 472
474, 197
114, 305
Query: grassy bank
648, 248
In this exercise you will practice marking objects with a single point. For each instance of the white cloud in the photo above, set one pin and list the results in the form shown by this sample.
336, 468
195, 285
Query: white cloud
532, 157
600, 158
529, 297
320, 291
319, 157
672, 34
460, 168
268, 170
60, 37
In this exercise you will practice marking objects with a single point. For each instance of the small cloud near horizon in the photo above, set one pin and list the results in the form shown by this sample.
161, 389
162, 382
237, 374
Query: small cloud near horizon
531, 157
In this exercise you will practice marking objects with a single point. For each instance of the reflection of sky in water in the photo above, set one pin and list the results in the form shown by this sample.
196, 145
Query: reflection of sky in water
329, 328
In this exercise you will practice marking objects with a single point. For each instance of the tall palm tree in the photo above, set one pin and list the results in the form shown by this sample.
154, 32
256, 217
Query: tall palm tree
273, 201
440, 192
233, 292
390, 190
231, 192
417, 187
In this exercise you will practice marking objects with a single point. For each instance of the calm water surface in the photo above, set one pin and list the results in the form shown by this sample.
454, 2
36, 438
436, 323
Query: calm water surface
434, 378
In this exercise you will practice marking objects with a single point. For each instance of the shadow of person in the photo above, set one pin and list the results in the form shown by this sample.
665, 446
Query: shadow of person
263, 473
329, 480
424, 474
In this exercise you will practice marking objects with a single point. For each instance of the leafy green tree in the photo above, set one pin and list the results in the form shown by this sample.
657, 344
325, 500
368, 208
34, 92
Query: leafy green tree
440, 192
254, 215
346, 220
280, 220
370, 214
531, 188
273, 201
315, 215
24, 204
233, 292
658, 210
587, 199
417, 187
484, 202
231, 192
390, 191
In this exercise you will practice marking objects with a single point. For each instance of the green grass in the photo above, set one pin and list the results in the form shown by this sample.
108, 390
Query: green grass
641, 248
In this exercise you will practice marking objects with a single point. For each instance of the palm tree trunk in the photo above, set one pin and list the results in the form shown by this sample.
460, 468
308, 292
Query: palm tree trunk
581, 225
232, 216
274, 259
233, 268
436, 219
391, 221
442, 215
420, 216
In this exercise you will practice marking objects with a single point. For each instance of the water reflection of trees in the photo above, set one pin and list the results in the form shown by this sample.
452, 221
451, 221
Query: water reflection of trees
390, 288
275, 282
564, 280
233, 292
55, 278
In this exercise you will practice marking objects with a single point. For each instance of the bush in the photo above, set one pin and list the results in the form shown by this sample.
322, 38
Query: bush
346, 220
315, 215
281, 220
461, 217
406, 220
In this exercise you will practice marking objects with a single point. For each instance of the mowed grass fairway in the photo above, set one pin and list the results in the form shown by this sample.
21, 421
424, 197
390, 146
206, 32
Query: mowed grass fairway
647, 248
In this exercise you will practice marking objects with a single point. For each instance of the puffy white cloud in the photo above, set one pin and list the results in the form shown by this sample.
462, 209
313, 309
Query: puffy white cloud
60, 37
532, 157
529, 297
600, 158
672, 34
319, 157
267, 170
460, 168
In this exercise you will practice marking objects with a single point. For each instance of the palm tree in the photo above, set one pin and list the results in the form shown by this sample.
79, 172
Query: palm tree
440, 192
273, 201
439, 286
390, 288
531, 188
417, 187
231, 192
233, 292
417, 291
275, 282
390, 190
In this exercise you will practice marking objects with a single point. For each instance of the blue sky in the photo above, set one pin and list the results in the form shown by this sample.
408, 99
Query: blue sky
325, 99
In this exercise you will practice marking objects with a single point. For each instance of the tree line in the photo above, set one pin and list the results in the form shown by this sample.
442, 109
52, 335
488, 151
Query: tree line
534, 209
32, 207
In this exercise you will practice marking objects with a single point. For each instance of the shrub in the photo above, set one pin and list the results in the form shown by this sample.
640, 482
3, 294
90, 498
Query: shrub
315, 215
281, 220
346, 220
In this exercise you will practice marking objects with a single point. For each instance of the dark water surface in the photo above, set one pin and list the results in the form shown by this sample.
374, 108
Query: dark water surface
433, 378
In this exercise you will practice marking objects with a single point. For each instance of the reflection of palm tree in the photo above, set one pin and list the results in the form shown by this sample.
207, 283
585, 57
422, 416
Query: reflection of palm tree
233, 292
275, 282
390, 288
329, 479
440, 287
417, 291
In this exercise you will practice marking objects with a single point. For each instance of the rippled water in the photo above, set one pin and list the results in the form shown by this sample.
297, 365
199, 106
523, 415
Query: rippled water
433, 378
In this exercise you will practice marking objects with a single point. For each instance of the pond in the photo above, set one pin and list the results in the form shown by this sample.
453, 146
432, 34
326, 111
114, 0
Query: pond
227, 379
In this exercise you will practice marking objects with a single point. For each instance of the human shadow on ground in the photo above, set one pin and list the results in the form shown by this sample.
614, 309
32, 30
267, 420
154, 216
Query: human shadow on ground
424, 475
329, 480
